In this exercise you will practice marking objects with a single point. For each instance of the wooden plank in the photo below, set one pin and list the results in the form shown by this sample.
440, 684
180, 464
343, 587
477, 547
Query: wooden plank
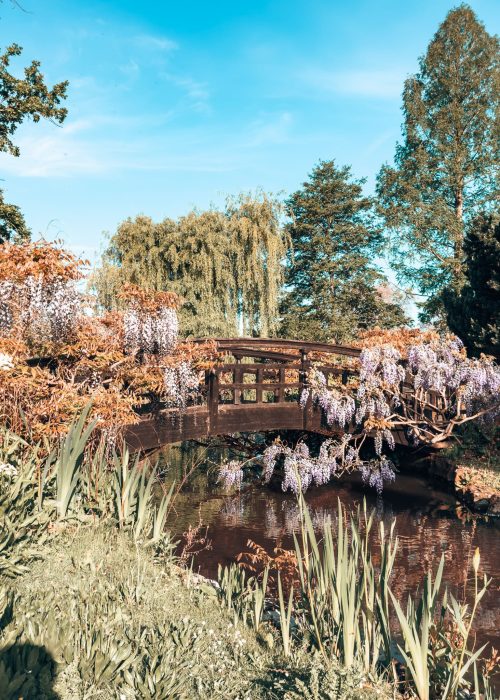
245, 344
264, 354
253, 367
280, 396
213, 401
237, 382
260, 417
167, 428
259, 386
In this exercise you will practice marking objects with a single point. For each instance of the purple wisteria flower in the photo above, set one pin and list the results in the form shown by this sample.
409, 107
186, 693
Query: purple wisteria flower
376, 472
231, 474
380, 372
338, 407
48, 311
444, 368
153, 333
270, 457
300, 468
182, 384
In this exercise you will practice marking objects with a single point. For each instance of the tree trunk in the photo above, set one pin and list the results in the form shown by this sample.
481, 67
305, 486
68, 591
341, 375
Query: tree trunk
459, 238
459, 204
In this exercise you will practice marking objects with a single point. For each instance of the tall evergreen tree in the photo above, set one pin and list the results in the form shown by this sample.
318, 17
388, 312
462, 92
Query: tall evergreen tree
474, 314
446, 167
332, 283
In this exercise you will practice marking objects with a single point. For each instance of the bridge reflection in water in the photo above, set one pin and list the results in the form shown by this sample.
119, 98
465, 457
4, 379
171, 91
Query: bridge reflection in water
257, 390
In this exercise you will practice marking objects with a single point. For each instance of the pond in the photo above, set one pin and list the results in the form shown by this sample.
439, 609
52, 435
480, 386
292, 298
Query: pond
429, 522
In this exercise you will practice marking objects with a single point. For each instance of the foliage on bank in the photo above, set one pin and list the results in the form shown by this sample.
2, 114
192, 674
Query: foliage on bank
57, 354
93, 605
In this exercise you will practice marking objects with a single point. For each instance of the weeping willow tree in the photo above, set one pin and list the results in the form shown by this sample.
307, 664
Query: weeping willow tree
258, 246
226, 265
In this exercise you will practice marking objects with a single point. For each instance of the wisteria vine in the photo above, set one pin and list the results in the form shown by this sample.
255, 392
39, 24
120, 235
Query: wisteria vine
47, 311
182, 385
152, 332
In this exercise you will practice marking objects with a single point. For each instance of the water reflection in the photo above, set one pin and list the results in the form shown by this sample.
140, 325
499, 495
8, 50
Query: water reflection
428, 525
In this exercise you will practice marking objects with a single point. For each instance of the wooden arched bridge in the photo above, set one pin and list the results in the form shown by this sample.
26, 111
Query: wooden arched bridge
257, 389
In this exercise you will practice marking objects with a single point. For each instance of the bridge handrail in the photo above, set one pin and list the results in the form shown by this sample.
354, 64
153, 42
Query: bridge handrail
244, 343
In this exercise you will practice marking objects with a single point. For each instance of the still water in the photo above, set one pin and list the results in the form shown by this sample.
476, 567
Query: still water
429, 523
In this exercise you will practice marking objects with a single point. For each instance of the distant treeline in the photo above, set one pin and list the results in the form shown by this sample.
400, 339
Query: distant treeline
313, 265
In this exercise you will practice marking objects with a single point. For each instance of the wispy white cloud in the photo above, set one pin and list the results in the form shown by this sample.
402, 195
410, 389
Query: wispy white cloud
75, 153
74, 127
196, 91
271, 130
130, 69
61, 155
377, 143
157, 43
378, 83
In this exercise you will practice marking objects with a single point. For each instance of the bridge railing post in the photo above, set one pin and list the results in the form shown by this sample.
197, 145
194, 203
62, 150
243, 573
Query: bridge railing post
305, 366
212, 379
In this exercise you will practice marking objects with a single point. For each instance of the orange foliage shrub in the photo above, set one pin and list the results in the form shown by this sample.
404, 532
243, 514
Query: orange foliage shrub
283, 562
43, 386
18, 262
400, 338
149, 301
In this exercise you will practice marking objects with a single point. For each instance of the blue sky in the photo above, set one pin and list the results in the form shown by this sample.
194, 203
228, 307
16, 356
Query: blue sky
174, 104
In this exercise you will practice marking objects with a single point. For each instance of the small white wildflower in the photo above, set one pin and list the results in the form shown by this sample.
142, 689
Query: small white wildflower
8, 469
6, 361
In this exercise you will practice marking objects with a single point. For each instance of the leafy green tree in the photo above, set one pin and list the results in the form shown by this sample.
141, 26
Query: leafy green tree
21, 99
225, 265
332, 284
474, 314
258, 245
446, 167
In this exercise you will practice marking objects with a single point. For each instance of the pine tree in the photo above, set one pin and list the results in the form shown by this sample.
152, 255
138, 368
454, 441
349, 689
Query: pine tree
332, 283
474, 315
445, 169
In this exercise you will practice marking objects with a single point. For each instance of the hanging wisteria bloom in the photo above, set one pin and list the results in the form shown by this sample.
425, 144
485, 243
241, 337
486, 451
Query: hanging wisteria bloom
471, 385
6, 315
150, 323
437, 366
381, 364
182, 385
153, 332
231, 474
381, 436
300, 468
376, 472
380, 372
338, 407
48, 311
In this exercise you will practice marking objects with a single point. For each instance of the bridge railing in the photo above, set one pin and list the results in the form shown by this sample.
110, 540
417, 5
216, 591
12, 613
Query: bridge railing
270, 385
258, 388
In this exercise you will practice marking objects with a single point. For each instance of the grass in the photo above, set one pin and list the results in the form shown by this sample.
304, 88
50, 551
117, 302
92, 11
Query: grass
117, 624
94, 605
